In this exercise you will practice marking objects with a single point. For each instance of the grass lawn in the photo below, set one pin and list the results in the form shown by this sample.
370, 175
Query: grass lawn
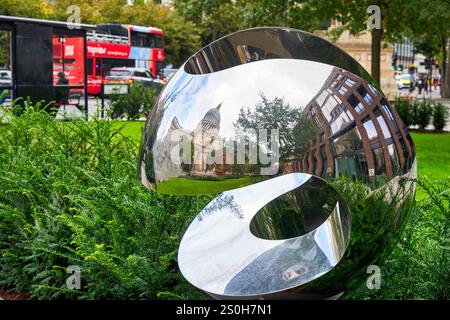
178, 185
433, 154
433, 157
132, 129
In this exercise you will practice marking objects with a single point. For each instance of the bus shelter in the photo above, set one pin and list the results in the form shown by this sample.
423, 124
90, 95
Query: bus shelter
37, 61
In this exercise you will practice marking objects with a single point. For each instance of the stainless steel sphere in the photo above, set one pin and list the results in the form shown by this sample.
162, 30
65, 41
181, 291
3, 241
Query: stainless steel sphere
314, 167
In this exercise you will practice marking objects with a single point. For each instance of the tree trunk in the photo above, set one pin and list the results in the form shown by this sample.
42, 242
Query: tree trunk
445, 77
377, 35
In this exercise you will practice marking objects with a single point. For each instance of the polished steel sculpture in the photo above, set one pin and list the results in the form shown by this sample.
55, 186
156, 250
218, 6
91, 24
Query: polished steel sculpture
314, 167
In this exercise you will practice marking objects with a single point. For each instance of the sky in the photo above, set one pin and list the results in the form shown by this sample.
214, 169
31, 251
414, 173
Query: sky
297, 81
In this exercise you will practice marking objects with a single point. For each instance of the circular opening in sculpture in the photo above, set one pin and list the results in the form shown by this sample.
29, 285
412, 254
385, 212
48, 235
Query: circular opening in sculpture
297, 212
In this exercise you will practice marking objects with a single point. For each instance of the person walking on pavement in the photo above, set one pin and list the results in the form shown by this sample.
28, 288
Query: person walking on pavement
420, 84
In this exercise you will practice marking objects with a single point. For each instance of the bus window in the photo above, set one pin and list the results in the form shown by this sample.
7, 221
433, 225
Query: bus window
146, 40
89, 67
158, 41
98, 65
140, 74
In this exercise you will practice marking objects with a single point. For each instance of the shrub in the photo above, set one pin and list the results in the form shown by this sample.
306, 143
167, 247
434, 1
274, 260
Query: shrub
138, 100
413, 109
419, 266
70, 195
440, 116
403, 108
424, 114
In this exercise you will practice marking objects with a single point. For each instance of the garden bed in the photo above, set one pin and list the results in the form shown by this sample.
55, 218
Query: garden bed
70, 195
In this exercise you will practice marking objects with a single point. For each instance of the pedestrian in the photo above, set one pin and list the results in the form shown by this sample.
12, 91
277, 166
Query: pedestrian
425, 84
420, 84
62, 93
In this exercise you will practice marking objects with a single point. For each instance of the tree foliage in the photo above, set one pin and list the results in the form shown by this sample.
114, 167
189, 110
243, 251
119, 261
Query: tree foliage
26, 8
295, 129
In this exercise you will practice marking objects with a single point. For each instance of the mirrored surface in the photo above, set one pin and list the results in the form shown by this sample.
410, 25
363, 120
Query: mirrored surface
260, 106
235, 242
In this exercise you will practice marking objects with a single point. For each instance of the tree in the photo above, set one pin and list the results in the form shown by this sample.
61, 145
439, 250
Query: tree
295, 129
26, 8
214, 18
22, 8
425, 21
353, 15
430, 30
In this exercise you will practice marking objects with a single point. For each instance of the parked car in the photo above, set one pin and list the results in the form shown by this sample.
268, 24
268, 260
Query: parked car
168, 72
405, 80
132, 75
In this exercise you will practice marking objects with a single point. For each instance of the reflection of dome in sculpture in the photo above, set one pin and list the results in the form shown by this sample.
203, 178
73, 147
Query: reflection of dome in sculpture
345, 165
211, 120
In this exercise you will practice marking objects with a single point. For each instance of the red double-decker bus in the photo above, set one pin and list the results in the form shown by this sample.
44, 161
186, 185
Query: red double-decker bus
108, 46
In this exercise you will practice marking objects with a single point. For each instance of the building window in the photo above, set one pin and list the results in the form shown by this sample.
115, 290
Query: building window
350, 159
365, 95
321, 98
342, 90
370, 129
353, 100
384, 127
349, 115
324, 159
380, 166
359, 108
388, 112
372, 88
349, 82
348, 142
394, 159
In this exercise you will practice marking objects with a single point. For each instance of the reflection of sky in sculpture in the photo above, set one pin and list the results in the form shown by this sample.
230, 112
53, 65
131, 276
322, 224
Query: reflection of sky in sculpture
247, 82
231, 239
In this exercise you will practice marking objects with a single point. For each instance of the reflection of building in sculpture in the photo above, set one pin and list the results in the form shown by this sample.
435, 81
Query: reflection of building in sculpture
359, 47
359, 136
205, 136
198, 146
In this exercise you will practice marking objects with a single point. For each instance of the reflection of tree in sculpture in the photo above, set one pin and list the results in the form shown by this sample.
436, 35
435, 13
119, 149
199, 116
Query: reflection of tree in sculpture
295, 129
222, 201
